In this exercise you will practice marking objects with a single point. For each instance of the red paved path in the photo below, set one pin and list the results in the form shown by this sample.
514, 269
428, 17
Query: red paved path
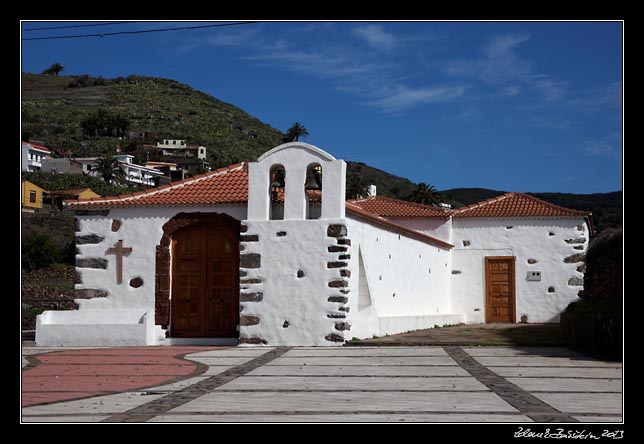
75, 374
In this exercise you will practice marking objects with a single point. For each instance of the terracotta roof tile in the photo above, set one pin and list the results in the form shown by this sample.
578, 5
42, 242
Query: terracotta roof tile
387, 207
227, 185
39, 147
359, 213
516, 205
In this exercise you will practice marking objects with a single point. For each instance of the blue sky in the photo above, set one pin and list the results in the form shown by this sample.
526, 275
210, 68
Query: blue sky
514, 106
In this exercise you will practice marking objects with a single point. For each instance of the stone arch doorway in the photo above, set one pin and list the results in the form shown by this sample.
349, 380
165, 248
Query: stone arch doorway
197, 282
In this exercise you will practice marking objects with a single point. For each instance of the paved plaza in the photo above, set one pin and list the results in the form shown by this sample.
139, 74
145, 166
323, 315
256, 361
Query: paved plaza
320, 384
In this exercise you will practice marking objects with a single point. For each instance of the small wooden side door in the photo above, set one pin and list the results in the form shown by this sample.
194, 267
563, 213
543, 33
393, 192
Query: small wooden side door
500, 295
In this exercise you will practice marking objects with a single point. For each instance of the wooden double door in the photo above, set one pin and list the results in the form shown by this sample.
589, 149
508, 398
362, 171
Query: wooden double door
500, 294
205, 282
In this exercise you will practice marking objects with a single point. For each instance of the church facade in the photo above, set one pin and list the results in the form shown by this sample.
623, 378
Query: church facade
271, 253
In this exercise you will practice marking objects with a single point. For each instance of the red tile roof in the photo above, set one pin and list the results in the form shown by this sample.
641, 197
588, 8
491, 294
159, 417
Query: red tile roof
388, 207
359, 213
227, 185
38, 147
516, 205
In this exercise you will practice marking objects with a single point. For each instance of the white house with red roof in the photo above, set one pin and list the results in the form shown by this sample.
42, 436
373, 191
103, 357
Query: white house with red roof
271, 253
33, 156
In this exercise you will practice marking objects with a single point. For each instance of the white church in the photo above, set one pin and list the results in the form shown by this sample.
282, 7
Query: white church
271, 253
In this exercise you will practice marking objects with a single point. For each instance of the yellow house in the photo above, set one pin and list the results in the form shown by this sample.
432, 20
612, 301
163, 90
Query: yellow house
31, 195
56, 198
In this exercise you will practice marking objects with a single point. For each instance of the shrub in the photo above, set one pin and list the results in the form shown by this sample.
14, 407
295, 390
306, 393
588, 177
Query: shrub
38, 251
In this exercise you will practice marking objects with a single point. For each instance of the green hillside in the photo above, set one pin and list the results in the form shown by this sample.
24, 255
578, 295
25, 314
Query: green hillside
53, 108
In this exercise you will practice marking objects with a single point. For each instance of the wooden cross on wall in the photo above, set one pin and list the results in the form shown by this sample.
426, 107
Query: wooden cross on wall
119, 251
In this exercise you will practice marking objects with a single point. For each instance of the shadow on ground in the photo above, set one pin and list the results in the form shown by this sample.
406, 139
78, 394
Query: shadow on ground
474, 334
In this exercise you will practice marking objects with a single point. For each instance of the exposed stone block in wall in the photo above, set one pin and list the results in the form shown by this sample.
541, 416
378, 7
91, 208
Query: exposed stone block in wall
345, 273
286, 324
92, 262
248, 320
578, 247
582, 268
344, 241
116, 224
250, 260
338, 283
300, 273
581, 228
250, 281
241, 247
336, 249
576, 282
456, 271
280, 234
344, 309
243, 273
136, 282
243, 228
89, 239
89, 293
579, 240
577, 257
341, 299
532, 261
256, 341
342, 326
91, 212
344, 257
251, 297
248, 238
78, 278
333, 337
336, 264
345, 291
336, 315
466, 243
336, 230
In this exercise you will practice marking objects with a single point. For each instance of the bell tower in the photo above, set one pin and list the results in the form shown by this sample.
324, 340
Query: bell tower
294, 249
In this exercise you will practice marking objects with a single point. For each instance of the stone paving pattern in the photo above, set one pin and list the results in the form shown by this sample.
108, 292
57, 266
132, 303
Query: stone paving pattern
334, 384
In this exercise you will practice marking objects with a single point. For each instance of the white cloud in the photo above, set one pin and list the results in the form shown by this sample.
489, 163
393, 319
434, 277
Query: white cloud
401, 97
608, 146
376, 37
552, 90
501, 63
511, 91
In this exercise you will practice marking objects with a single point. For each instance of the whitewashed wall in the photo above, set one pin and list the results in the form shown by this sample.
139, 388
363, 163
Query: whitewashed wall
141, 229
526, 239
407, 279
438, 227
289, 310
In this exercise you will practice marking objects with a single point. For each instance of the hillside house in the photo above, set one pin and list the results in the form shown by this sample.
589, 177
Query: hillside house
31, 196
33, 156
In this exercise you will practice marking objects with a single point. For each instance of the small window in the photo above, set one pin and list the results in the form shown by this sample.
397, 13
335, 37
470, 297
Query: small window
174, 142
32, 196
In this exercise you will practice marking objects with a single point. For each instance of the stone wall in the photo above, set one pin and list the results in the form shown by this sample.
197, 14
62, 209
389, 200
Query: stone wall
294, 282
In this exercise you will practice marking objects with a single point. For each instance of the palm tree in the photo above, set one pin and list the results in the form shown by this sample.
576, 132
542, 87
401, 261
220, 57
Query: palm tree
294, 133
54, 69
356, 186
110, 170
426, 194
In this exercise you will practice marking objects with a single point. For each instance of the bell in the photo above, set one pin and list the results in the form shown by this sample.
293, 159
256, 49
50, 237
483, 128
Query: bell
278, 179
313, 179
